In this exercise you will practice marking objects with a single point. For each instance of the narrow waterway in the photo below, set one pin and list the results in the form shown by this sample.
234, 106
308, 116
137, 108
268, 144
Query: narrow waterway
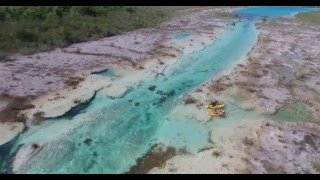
110, 134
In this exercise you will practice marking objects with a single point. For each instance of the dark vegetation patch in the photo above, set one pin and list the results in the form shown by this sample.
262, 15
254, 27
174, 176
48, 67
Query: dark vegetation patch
217, 87
38, 117
216, 153
24, 107
316, 166
310, 140
73, 81
11, 113
317, 96
272, 168
301, 76
189, 100
28, 29
4, 58
250, 74
248, 141
309, 17
157, 155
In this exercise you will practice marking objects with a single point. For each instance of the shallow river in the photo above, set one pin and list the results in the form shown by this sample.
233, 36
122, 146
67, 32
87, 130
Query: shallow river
110, 134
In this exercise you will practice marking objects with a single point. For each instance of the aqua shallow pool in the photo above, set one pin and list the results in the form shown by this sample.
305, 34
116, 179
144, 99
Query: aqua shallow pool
182, 35
273, 11
110, 134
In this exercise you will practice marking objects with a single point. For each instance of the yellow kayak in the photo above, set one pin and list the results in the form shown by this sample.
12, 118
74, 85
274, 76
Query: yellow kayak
215, 114
215, 107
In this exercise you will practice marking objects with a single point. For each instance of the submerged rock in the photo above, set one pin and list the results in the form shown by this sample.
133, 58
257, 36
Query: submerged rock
152, 88
35, 145
160, 92
88, 141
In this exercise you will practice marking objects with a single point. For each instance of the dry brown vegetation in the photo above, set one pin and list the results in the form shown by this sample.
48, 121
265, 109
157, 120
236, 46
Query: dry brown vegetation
11, 113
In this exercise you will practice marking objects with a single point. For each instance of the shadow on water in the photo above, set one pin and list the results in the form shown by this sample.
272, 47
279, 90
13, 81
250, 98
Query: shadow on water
105, 72
78, 109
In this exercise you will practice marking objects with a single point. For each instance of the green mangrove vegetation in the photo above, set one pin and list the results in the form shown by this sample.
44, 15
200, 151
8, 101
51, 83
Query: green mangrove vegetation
30, 29
309, 17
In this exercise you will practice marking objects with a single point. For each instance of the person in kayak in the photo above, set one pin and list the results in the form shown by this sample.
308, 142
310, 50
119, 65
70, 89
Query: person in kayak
214, 102
221, 112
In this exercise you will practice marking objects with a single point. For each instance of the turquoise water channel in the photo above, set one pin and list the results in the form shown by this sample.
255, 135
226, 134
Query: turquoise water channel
273, 11
110, 134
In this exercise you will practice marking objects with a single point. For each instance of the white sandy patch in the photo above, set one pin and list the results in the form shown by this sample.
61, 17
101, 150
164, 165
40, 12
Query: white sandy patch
23, 155
225, 156
9, 130
68, 97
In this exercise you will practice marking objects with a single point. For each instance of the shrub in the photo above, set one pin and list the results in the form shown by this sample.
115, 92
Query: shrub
74, 81
88, 10
2, 16
26, 35
52, 20
38, 116
302, 76
4, 57
190, 100
317, 96
30, 29
316, 166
